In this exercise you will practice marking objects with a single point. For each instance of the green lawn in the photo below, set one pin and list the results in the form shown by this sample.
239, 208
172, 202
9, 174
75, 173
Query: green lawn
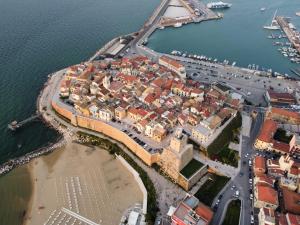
211, 188
232, 216
191, 168
228, 156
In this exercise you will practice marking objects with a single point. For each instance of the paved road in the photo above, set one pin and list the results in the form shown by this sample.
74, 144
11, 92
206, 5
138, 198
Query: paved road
240, 181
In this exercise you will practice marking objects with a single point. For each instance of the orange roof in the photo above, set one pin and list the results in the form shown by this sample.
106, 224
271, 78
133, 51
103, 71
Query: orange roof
259, 163
265, 180
204, 212
267, 131
171, 62
291, 201
159, 82
286, 113
267, 194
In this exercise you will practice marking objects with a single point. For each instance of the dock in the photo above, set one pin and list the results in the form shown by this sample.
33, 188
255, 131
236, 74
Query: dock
14, 125
292, 35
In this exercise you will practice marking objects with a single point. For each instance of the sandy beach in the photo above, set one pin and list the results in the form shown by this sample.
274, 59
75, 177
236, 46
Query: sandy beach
87, 181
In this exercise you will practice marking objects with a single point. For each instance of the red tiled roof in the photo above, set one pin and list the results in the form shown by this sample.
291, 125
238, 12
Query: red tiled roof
293, 219
281, 96
286, 113
267, 131
204, 212
260, 163
280, 146
291, 201
267, 194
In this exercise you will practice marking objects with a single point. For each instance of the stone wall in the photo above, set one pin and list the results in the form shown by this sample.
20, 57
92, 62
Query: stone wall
101, 127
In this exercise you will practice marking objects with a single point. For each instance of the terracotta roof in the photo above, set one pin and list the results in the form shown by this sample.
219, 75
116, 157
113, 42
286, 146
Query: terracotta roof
291, 201
264, 180
204, 212
259, 163
267, 194
293, 219
280, 146
267, 131
286, 113
281, 96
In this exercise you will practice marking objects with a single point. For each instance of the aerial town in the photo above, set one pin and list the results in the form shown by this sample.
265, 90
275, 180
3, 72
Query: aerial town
175, 122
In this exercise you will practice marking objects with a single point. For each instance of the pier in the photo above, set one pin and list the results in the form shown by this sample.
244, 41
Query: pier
292, 35
14, 125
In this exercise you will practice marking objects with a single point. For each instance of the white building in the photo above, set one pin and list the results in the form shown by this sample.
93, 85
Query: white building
201, 133
106, 114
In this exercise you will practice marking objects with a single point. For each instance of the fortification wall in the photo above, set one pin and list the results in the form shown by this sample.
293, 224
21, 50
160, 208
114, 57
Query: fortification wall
99, 126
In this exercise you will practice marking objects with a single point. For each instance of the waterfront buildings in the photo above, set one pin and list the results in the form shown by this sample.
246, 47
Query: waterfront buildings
173, 65
281, 99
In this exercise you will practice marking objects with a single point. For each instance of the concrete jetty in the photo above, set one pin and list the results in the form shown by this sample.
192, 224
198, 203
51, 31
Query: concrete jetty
14, 125
292, 35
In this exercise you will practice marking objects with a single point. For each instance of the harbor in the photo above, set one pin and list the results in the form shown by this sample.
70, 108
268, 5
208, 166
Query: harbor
290, 30
215, 38
181, 12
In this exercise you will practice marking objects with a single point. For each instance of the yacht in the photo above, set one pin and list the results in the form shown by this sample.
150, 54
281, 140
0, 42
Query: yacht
274, 25
218, 5
177, 24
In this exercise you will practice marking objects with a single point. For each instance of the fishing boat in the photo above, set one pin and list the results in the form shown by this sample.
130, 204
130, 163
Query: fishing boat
274, 25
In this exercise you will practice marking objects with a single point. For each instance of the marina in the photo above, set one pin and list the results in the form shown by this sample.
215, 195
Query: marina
181, 12
289, 30
214, 39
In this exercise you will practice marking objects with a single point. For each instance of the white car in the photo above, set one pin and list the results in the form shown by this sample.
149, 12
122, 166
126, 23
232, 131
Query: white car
252, 219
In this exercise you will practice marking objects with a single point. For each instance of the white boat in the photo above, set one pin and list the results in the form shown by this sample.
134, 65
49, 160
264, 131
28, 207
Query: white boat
292, 26
218, 5
297, 13
177, 25
161, 27
262, 9
274, 25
